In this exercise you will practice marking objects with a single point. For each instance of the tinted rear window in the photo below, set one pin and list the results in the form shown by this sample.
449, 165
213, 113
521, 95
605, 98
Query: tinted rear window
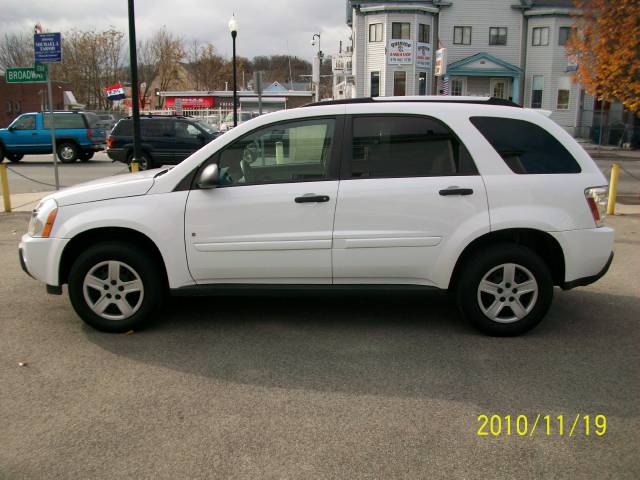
148, 128
65, 120
406, 146
525, 147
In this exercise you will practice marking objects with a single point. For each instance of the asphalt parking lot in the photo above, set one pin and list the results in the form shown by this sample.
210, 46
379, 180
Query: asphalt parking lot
366, 386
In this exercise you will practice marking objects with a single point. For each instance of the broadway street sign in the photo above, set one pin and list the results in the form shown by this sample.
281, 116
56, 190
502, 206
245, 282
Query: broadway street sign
35, 74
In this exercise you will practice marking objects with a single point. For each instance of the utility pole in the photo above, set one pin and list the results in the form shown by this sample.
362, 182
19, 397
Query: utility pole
135, 105
317, 65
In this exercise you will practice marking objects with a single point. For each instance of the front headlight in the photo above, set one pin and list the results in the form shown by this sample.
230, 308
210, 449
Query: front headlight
42, 218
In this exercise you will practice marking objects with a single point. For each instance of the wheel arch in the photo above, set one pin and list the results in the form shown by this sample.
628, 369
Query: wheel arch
543, 243
93, 236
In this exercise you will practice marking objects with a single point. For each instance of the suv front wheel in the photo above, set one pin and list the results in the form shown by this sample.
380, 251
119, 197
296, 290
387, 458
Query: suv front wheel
505, 290
115, 287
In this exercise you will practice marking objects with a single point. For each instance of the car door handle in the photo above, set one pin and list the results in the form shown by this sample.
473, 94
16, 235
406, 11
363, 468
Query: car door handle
34, 133
455, 191
312, 198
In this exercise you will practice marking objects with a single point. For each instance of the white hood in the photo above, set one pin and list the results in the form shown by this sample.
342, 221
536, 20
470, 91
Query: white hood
117, 186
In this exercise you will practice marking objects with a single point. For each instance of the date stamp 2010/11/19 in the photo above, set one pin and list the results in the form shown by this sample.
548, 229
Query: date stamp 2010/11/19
548, 425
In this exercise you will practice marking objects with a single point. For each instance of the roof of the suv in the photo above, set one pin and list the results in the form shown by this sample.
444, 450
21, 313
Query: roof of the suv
421, 98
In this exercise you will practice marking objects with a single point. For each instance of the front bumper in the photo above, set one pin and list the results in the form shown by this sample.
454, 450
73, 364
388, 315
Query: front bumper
40, 258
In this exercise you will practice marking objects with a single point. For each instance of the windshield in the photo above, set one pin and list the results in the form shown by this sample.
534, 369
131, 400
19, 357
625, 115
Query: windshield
242, 117
204, 126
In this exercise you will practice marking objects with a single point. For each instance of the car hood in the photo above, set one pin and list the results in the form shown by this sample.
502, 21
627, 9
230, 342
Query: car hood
117, 186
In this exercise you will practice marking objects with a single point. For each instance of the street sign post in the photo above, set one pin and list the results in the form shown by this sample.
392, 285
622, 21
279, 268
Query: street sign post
47, 48
37, 74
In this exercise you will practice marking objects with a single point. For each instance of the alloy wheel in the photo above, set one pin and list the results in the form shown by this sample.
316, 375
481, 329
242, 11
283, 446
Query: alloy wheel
507, 293
113, 290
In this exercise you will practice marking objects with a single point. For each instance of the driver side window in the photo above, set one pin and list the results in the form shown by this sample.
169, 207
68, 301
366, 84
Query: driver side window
25, 122
285, 152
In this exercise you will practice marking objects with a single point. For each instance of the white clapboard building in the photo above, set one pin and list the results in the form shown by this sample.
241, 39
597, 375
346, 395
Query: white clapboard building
512, 49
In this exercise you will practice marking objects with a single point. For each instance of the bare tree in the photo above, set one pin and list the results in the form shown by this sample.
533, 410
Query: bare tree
16, 50
159, 61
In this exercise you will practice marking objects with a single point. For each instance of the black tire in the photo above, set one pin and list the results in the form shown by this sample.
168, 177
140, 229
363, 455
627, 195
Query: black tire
14, 157
145, 161
134, 259
68, 152
86, 156
532, 306
1, 153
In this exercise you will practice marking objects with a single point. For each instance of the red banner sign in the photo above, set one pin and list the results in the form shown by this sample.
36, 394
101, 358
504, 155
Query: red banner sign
190, 102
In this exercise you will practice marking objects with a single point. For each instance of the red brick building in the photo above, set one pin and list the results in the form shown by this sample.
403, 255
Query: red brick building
17, 98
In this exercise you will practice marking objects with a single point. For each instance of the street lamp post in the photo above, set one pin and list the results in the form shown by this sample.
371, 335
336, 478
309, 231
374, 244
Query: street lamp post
233, 27
317, 65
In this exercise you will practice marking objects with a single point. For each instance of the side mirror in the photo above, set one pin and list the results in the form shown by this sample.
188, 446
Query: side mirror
209, 177
11, 128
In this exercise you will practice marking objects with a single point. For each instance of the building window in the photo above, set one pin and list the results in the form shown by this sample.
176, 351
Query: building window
462, 35
422, 83
375, 84
424, 32
400, 30
564, 90
563, 35
456, 87
497, 35
537, 87
9, 109
399, 84
540, 36
375, 32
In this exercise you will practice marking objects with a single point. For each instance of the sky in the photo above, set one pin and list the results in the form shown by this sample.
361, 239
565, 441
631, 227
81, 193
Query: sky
266, 27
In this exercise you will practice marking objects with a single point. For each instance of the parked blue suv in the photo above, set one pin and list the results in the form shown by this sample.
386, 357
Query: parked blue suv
78, 136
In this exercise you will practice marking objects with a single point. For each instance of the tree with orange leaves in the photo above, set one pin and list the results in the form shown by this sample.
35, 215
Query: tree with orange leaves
606, 44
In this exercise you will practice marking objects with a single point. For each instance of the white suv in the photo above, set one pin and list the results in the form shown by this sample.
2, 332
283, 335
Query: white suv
475, 195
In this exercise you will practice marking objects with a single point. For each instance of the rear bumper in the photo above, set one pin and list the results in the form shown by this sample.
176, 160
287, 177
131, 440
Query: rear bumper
581, 282
587, 254
117, 154
96, 147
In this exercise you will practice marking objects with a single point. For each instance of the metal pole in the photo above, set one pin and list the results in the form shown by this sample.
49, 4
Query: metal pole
234, 34
53, 133
601, 123
613, 189
133, 60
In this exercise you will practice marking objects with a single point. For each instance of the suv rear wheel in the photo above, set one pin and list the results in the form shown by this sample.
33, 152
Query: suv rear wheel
505, 290
14, 157
115, 287
68, 152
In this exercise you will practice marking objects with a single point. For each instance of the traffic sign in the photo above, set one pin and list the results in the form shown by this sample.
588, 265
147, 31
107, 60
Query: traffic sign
35, 74
47, 47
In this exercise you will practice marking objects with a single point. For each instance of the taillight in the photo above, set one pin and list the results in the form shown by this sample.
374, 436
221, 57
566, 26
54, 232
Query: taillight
597, 200
89, 133
109, 141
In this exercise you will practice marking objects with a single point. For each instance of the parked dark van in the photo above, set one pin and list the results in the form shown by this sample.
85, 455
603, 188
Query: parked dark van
166, 140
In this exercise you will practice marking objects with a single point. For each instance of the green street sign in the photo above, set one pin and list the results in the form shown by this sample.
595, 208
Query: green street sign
35, 74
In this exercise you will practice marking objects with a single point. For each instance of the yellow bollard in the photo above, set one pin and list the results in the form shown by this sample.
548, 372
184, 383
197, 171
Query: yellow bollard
4, 180
613, 189
134, 167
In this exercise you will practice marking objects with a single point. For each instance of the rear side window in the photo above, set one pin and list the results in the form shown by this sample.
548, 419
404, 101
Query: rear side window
65, 120
123, 128
525, 147
157, 128
406, 146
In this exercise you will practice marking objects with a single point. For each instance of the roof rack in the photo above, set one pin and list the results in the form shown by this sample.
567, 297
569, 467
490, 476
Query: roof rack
160, 115
420, 99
